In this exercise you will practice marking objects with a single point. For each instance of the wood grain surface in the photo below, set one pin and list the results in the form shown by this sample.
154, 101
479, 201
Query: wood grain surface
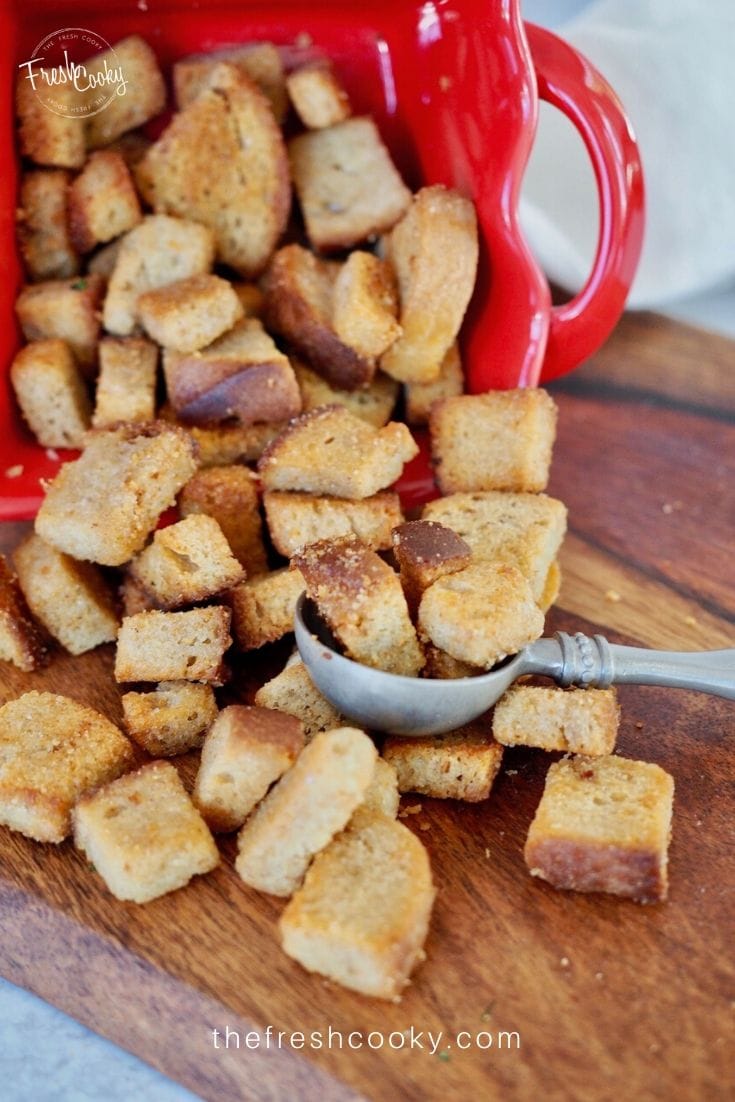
612, 1001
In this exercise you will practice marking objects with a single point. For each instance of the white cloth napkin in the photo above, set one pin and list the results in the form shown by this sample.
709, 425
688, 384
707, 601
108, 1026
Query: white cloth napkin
672, 62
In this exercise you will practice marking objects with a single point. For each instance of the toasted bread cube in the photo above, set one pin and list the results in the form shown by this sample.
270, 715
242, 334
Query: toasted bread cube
381, 798
603, 825
134, 596
51, 393
434, 252
143, 834
172, 719
48, 252
425, 551
362, 915
222, 162
318, 96
229, 442
481, 614
329, 451
580, 721
251, 298
299, 291
187, 562
103, 260
67, 310
242, 374
20, 640
348, 187
260, 61
420, 397
442, 667
52, 750
230, 496
103, 202
292, 691
244, 753
366, 304
71, 599
552, 587
296, 520
103, 506
361, 599
132, 147
460, 765
126, 384
373, 403
46, 137
160, 250
263, 607
144, 96
191, 313
496, 441
174, 646
525, 530
306, 808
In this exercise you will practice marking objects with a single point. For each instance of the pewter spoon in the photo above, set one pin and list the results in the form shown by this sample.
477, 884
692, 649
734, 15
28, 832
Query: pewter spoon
383, 701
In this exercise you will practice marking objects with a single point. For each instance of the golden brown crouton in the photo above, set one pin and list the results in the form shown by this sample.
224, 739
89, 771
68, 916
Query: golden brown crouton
347, 184
144, 95
580, 721
425, 551
381, 798
20, 640
292, 691
374, 403
102, 201
230, 495
228, 442
460, 765
67, 309
172, 719
552, 587
434, 252
251, 298
103, 506
143, 835
126, 384
187, 562
318, 96
174, 646
52, 751
43, 231
442, 667
103, 261
46, 137
190, 313
329, 451
263, 607
296, 520
260, 61
365, 304
51, 393
448, 384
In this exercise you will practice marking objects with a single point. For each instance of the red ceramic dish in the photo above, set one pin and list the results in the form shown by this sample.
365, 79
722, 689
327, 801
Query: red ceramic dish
454, 86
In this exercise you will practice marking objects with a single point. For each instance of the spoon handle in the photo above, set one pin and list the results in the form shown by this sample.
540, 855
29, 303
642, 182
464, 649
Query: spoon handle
592, 661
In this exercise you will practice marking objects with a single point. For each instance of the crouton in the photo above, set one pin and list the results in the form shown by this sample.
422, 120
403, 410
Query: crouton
187, 562
296, 520
103, 506
523, 529
190, 313
52, 751
552, 587
580, 721
425, 551
240, 375
251, 298
222, 162
134, 597
419, 397
244, 753
362, 915
442, 667
126, 384
71, 599
318, 96
260, 61
174, 646
329, 451
365, 304
381, 798
20, 640
292, 691
103, 261
229, 442
434, 252
230, 495
263, 607
347, 184
172, 719
43, 232
160, 250
603, 825
306, 808
143, 835
47, 137
103, 203
460, 765
298, 306
51, 393
496, 441
144, 96
481, 614
373, 403
361, 600
132, 147
67, 310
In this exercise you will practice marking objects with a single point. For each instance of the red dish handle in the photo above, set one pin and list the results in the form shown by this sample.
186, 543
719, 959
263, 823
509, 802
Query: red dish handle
570, 83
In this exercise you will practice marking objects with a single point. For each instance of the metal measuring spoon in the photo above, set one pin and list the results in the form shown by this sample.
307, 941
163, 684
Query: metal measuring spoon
383, 701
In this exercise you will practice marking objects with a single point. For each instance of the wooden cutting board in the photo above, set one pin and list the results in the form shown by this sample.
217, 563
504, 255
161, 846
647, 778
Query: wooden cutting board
611, 1000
